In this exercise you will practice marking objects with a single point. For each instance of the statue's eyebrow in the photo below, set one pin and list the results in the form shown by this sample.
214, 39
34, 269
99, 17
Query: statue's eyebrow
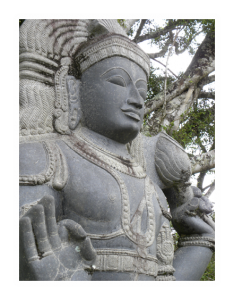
117, 68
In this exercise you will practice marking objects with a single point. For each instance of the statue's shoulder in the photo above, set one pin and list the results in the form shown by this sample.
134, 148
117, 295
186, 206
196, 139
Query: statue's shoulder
171, 161
42, 162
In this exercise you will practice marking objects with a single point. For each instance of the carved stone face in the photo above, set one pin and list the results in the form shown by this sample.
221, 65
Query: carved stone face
112, 98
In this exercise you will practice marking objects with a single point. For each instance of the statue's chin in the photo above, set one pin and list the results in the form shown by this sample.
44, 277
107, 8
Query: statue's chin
122, 136
122, 129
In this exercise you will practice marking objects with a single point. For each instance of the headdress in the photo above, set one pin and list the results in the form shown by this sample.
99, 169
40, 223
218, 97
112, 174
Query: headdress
48, 49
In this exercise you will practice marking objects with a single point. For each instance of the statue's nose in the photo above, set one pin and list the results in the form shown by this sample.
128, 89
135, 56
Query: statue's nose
135, 98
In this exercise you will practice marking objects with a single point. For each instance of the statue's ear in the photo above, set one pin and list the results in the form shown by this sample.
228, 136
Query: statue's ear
75, 113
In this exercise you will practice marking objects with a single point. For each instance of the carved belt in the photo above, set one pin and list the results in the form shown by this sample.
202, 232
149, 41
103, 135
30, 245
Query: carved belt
125, 261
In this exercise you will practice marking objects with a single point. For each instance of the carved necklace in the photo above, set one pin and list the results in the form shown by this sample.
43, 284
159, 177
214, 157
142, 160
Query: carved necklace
101, 158
123, 165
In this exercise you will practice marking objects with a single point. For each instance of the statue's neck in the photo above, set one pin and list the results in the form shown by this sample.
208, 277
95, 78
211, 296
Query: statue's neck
106, 143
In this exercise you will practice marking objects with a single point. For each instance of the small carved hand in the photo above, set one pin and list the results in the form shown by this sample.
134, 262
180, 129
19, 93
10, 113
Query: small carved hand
51, 251
190, 217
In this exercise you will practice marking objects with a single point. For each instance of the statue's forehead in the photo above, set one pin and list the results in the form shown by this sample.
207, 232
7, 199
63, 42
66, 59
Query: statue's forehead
116, 63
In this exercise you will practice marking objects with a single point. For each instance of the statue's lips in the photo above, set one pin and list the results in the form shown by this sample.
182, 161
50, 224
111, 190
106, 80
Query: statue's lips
133, 114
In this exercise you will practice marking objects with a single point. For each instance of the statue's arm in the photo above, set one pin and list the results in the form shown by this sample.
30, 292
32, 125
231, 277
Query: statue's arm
191, 223
188, 208
191, 262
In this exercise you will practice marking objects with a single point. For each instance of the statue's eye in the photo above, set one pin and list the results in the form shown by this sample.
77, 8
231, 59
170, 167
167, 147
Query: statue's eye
143, 93
118, 80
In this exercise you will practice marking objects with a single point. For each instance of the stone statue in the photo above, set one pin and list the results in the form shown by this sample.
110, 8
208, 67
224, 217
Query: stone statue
93, 189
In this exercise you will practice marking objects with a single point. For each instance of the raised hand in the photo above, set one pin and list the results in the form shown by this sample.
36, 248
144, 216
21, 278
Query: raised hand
51, 251
190, 217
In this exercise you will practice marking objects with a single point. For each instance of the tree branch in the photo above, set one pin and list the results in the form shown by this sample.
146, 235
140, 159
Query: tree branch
163, 113
157, 33
183, 109
187, 43
206, 187
200, 180
165, 67
205, 52
140, 28
207, 80
211, 190
197, 70
203, 162
163, 51
210, 95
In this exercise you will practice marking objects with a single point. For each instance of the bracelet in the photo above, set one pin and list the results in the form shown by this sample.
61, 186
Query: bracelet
165, 278
197, 241
196, 238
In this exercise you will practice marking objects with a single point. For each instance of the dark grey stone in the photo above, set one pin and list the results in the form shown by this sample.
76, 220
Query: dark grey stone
92, 190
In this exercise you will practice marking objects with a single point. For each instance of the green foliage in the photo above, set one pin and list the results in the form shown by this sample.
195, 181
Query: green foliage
198, 126
213, 216
156, 83
186, 40
208, 25
176, 237
121, 22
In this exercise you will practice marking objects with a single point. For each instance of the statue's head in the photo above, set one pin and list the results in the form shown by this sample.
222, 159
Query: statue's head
71, 77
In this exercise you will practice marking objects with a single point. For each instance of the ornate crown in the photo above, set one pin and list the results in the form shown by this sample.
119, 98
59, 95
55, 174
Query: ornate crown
112, 45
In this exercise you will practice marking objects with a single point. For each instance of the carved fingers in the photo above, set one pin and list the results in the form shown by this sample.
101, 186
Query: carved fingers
53, 251
197, 205
205, 205
192, 206
188, 208
38, 241
196, 191
38, 229
27, 239
189, 218
68, 229
48, 204
87, 250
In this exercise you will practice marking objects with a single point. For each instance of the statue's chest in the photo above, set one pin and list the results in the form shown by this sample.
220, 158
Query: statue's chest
97, 195
91, 192
104, 200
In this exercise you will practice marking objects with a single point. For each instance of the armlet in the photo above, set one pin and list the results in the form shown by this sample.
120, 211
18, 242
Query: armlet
171, 161
55, 172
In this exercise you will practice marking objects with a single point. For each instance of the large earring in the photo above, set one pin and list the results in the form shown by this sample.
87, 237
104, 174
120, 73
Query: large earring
75, 113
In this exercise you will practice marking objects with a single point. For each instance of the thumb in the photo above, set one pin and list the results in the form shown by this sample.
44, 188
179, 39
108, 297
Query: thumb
87, 250
77, 231
73, 228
